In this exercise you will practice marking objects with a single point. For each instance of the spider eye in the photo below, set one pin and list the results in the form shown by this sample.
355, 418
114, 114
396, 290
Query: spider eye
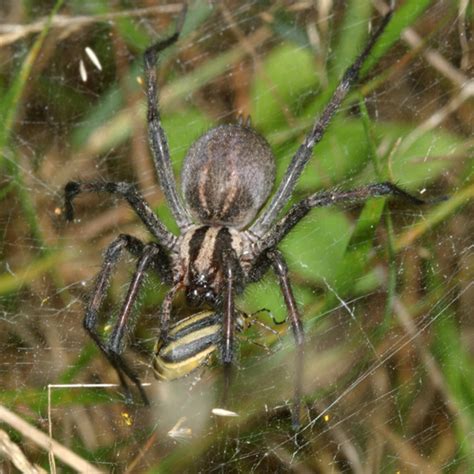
200, 295
195, 297
209, 296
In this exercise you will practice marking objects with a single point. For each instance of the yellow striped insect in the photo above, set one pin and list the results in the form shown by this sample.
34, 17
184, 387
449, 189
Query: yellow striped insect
192, 342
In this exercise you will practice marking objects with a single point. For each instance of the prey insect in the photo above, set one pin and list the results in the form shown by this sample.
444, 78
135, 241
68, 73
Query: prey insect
226, 240
193, 341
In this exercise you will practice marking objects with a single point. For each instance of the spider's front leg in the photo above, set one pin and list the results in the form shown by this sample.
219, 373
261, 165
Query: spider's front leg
228, 326
165, 314
156, 134
228, 320
266, 219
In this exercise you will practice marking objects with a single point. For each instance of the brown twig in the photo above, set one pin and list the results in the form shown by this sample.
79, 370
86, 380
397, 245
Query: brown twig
43, 440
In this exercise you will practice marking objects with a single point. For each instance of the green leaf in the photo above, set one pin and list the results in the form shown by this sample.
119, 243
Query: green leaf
421, 162
352, 38
99, 115
183, 128
342, 153
401, 19
267, 294
287, 73
316, 246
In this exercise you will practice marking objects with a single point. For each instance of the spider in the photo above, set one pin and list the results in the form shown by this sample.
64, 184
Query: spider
225, 242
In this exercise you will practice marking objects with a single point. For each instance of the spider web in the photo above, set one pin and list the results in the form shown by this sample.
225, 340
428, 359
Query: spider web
384, 288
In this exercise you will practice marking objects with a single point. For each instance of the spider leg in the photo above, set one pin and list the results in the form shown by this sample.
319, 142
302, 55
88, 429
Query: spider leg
112, 255
281, 270
324, 199
115, 344
228, 321
165, 315
134, 199
156, 133
109, 349
228, 326
305, 151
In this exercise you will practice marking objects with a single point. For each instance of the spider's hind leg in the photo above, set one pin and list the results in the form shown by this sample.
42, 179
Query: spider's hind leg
281, 270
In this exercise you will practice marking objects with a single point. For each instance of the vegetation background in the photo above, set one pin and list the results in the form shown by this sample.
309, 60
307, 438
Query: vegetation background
385, 289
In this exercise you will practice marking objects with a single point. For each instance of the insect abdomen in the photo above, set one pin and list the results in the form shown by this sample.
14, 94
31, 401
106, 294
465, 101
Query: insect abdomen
192, 342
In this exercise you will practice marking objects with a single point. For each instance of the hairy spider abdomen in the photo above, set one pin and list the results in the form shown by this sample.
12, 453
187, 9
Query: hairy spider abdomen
227, 176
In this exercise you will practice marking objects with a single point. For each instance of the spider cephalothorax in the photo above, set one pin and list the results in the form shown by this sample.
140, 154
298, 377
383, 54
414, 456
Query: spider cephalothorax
202, 257
224, 243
